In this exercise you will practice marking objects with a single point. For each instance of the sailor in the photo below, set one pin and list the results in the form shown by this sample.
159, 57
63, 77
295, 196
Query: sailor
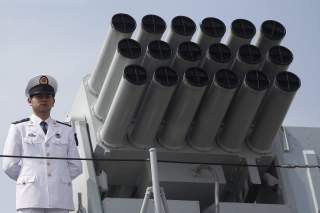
42, 185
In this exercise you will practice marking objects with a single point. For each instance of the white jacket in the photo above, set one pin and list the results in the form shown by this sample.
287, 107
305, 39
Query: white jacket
42, 183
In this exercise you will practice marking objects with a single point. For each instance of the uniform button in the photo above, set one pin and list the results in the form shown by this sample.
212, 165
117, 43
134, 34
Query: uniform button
24, 183
49, 174
47, 145
48, 163
48, 154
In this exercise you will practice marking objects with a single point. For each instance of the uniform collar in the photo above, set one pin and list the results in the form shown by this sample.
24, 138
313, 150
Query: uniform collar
37, 120
52, 126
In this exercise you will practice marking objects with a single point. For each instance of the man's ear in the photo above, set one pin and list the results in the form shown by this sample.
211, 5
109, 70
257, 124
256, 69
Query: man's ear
29, 101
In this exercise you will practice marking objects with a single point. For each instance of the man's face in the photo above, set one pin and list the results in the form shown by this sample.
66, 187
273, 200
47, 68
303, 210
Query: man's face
41, 103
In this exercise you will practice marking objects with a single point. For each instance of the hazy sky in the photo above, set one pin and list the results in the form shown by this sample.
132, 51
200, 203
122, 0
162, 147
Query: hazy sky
63, 38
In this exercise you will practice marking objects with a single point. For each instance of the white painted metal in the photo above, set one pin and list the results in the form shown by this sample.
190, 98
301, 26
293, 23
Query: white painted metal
240, 116
215, 103
126, 100
110, 84
182, 109
114, 35
155, 180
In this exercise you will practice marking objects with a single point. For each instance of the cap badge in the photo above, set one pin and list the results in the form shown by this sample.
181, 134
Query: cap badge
43, 80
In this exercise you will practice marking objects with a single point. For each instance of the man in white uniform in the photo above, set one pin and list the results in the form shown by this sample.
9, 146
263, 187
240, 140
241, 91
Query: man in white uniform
43, 185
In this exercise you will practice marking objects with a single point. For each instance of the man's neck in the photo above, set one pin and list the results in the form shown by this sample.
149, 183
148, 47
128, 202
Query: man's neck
43, 116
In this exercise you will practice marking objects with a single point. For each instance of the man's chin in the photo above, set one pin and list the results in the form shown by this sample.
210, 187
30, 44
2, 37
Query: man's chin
44, 109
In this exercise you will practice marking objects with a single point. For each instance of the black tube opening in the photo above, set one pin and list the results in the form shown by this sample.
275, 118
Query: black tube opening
273, 30
213, 27
226, 79
153, 24
243, 28
166, 76
189, 51
183, 25
123, 23
220, 53
250, 54
280, 55
196, 77
287, 81
129, 48
159, 49
256, 80
135, 74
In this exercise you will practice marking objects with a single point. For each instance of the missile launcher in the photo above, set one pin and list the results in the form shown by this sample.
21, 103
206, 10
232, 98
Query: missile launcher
173, 120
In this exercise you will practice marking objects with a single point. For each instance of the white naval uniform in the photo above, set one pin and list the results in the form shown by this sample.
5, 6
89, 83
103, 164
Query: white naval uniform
42, 183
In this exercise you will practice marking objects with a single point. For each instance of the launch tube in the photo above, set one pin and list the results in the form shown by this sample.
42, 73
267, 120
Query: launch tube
242, 111
248, 58
273, 111
126, 100
212, 110
187, 56
128, 52
157, 98
242, 32
158, 54
271, 34
181, 30
182, 108
278, 59
122, 26
216, 58
152, 27
211, 31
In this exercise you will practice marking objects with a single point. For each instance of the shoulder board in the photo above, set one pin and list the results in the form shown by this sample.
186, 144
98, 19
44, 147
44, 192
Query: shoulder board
63, 123
21, 121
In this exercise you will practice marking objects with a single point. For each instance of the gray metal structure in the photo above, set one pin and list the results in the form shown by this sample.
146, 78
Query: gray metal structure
188, 140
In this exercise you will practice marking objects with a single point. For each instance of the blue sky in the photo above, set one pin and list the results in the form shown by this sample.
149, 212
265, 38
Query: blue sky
63, 38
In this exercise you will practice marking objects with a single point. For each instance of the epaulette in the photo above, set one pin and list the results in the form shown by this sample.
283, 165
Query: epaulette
21, 121
63, 123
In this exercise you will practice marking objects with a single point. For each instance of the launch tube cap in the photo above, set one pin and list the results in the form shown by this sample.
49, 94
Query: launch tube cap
135, 74
123, 23
159, 49
41, 84
256, 80
220, 53
166, 76
196, 77
280, 55
183, 25
243, 28
189, 51
153, 24
273, 30
213, 27
250, 54
287, 81
226, 79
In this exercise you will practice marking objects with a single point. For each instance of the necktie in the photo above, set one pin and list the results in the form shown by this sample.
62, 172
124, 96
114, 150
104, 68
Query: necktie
44, 125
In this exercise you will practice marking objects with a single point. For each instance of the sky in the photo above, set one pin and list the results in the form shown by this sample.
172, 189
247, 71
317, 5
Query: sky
63, 38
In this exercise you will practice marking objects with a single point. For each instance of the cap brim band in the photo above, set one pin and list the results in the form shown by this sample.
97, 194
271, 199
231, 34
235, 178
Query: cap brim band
41, 89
